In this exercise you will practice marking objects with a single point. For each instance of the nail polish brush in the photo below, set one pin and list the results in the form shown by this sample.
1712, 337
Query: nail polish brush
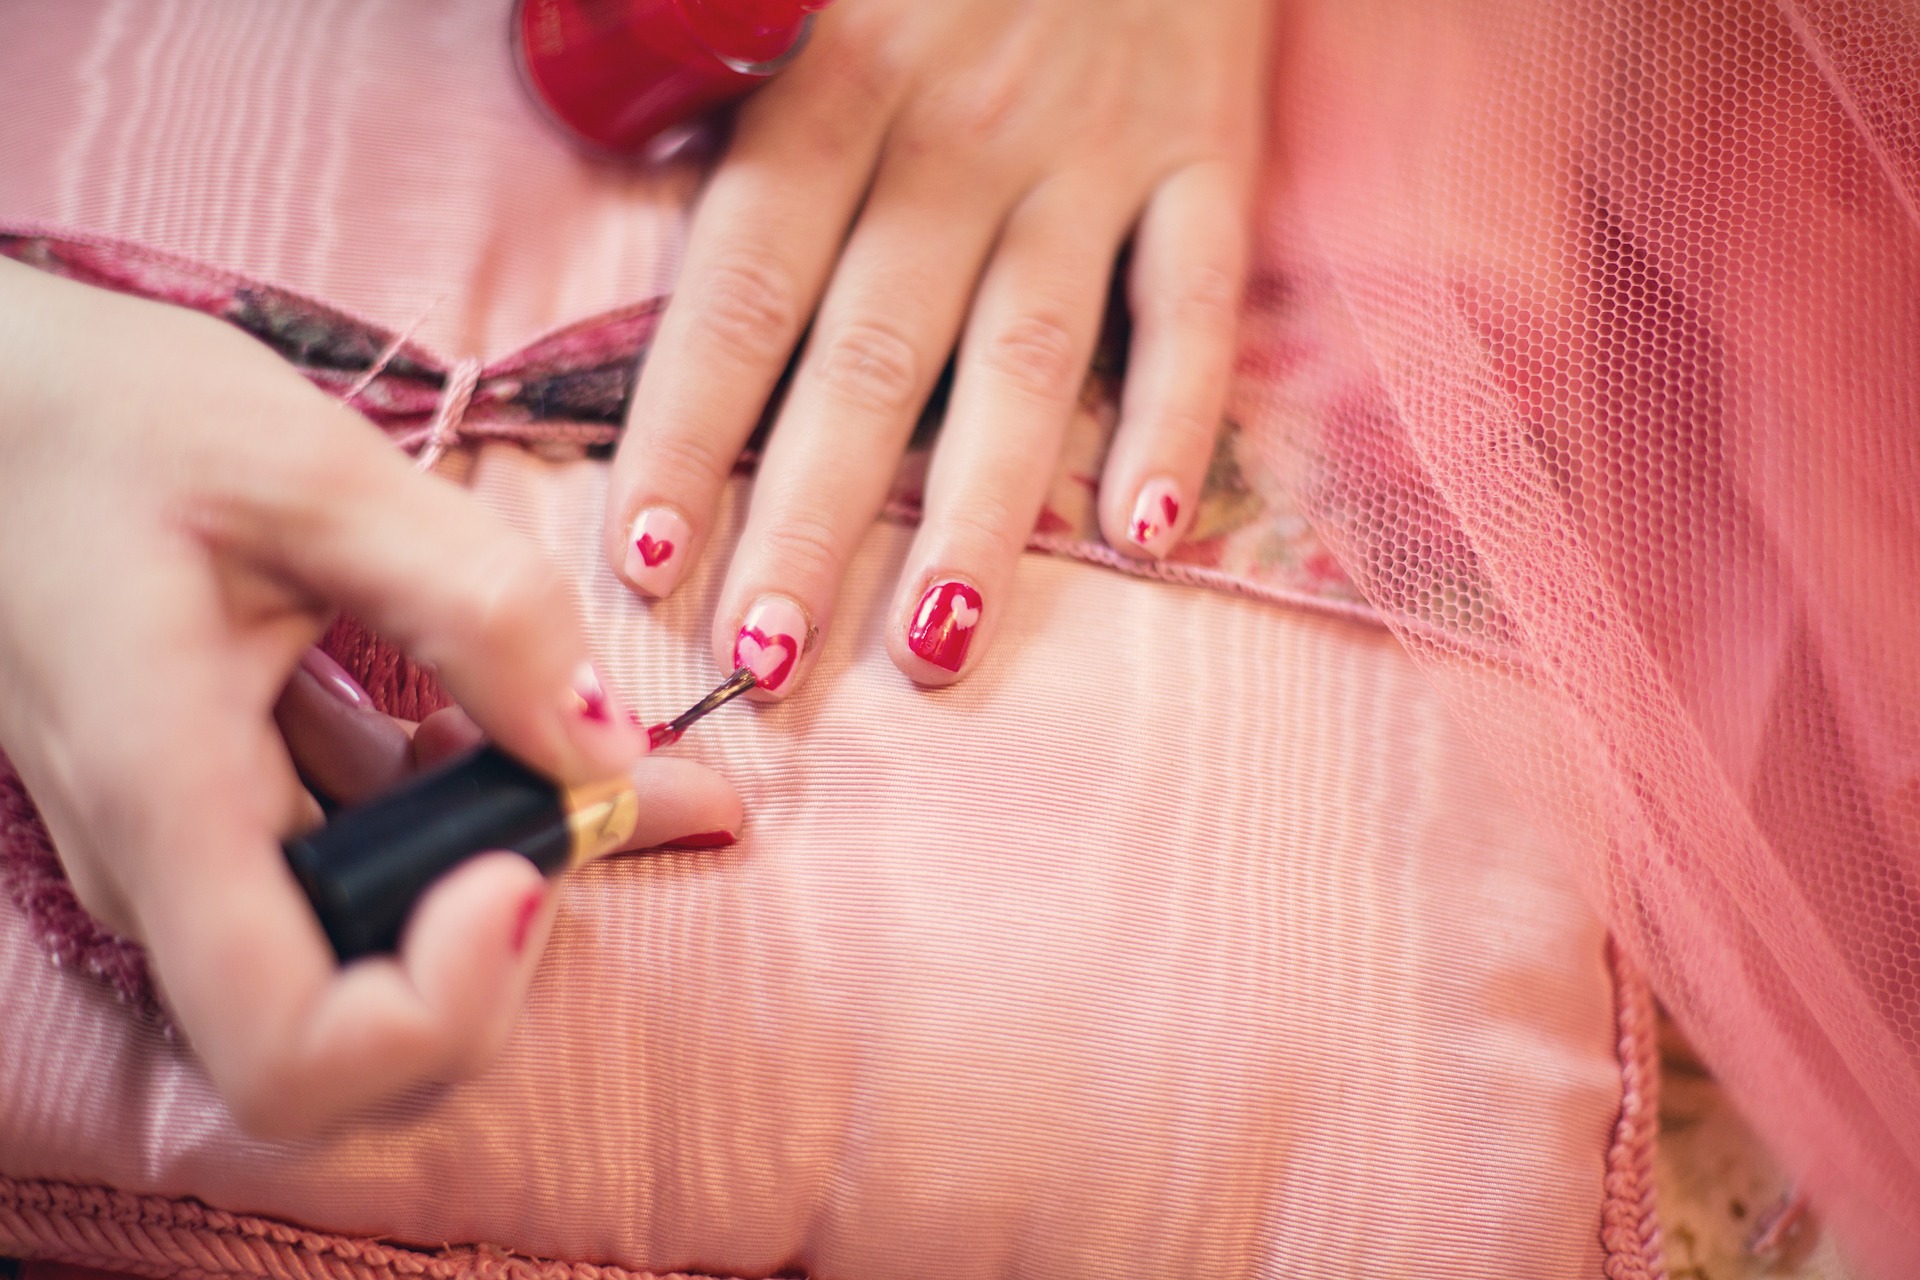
364, 870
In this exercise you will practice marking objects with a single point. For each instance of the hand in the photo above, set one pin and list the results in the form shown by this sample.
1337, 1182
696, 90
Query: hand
180, 513
925, 173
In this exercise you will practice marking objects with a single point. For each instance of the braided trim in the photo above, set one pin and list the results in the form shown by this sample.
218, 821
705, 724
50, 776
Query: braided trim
1630, 1215
158, 1237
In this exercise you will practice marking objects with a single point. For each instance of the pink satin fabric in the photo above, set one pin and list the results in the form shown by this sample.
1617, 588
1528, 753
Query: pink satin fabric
1190, 938
1076, 969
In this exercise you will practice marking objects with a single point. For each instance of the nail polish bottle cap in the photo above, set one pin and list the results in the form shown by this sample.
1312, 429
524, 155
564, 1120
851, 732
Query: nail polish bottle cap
620, 75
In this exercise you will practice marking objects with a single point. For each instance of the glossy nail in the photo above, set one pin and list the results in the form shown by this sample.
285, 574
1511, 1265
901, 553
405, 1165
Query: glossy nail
943, 625
333, 677
705, 840
770, 641
1156, 514
657, 549
523, 922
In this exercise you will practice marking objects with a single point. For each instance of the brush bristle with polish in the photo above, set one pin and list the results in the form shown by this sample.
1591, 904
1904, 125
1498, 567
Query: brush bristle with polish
668, 732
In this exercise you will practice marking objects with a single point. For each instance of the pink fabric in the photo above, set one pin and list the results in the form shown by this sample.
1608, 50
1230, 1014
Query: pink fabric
1612, 415
1186, 939
1583, 335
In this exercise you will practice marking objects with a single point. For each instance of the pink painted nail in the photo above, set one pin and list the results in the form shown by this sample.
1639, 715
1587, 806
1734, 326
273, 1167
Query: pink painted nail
523, 922
943, 625
333, 677
656, 549
771, 639
1156, 514
591, 700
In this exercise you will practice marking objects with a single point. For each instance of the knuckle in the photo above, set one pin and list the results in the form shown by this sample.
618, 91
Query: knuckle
747, 306
978, 115
987, 526
511, 590
803, 547
1206, 296
870, 366
859, 65
1038, 355
685, 461
1187, 430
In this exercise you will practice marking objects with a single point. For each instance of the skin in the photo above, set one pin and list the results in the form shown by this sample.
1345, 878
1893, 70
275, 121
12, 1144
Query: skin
171, 543
933, 175
926, 177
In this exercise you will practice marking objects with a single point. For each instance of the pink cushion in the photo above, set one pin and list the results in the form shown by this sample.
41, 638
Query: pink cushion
1189, 937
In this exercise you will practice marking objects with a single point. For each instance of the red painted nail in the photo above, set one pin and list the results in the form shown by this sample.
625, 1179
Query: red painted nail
334, 678
943, 625
661, 735
705, 840
523, 923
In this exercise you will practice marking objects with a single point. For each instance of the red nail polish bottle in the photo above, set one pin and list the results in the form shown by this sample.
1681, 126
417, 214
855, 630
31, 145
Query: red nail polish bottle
616, 73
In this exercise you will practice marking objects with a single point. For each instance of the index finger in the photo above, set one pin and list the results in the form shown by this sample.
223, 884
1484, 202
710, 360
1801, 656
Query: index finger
763, 241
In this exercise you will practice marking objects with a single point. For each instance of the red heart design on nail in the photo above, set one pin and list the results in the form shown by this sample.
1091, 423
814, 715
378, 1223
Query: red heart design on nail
653, 550
1171, 508
770, 658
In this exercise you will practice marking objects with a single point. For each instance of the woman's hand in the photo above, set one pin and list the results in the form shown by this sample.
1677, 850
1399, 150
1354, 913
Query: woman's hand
925, 174
180, 514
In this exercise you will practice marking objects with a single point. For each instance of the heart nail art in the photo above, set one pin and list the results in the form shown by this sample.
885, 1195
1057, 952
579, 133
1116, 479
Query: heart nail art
943, 626
654, 546
770, 640
1156, 512
652, 550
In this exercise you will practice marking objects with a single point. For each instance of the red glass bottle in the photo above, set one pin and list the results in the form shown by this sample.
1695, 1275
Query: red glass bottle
616, 73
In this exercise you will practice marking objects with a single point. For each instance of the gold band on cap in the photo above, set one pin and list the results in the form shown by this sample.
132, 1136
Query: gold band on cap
601, 818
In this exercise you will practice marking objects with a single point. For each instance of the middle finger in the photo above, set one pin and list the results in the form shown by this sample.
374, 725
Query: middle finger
884, 331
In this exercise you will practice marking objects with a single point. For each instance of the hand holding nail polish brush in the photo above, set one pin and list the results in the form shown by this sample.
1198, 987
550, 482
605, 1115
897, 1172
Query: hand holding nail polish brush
364, 870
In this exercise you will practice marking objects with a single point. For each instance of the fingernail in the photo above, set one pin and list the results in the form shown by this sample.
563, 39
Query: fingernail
944, 624
771, 638
705, 840
590, 698
656, 547
1156, 512
523, 922
334, 678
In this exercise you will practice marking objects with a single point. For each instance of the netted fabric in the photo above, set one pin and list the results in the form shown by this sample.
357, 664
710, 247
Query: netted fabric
1602, 326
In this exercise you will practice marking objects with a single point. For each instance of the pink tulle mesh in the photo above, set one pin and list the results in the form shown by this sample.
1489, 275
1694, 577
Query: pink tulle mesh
1614, 415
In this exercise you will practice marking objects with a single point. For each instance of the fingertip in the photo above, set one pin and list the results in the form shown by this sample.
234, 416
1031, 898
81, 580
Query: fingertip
775, 638
469, 951
680, 797
1147, 520
598, 726
655, 550
942, 635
